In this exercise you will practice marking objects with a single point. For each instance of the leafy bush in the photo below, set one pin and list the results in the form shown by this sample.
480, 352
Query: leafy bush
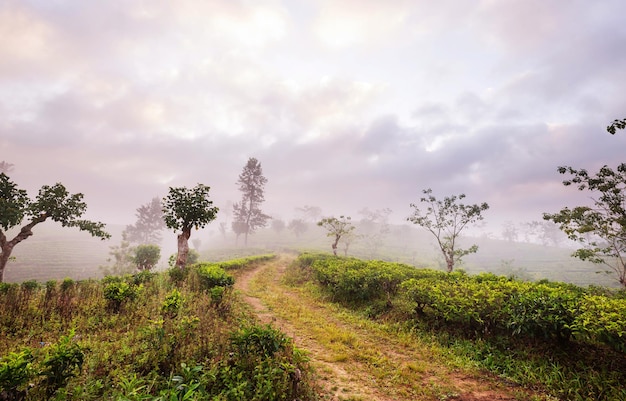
172, 303
146, 256
118, 292
211, 275
64, 361
260, 341
15, 371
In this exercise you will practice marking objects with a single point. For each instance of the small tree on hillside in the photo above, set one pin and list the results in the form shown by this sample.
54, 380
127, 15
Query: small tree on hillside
52, 202
445, 220
146, 256
247, 213
150, 223
337, 228
601, 229
184, 209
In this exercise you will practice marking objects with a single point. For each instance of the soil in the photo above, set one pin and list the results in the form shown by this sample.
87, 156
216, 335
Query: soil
338, 380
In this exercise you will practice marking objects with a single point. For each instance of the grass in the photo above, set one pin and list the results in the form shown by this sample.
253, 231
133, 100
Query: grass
161, 339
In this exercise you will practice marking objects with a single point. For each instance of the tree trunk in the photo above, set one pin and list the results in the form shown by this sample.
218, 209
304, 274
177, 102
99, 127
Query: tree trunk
337, 238
4, 258
183, 248
7, 246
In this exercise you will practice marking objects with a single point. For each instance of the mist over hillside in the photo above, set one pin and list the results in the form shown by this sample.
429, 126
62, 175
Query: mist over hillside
54, 252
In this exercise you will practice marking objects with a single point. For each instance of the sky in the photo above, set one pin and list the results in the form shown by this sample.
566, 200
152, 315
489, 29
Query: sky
347, 104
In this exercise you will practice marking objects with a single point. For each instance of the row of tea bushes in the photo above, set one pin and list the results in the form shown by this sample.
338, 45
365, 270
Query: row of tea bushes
484, 303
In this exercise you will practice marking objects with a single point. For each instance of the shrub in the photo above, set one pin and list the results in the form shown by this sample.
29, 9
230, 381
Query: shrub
172, 303
64, 361
211, 275
15, 372
118, 292
146, 256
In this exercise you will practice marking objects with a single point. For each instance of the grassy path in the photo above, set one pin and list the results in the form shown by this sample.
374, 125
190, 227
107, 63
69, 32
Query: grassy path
357, 359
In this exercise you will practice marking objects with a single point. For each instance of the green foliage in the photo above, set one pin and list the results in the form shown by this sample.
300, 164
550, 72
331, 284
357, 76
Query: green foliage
337, 228
117, 292
53, 203
617, 124
445, 220
599, 229
64, 361
146, 256
185, 208
15, 371
358, 281
172, 303
170, 343
259, 341
14, 203
211, 275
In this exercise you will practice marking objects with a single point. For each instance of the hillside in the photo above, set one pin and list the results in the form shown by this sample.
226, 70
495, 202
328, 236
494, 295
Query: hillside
55, 253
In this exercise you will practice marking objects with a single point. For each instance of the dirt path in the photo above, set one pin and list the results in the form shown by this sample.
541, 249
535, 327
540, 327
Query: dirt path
354, 361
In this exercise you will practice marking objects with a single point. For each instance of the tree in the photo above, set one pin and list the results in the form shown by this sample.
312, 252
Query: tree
509, 231
337, 228
278, 225
6, 167
122, 258
146, 256
298, 227
374, 227
601, 229
52, 202
150, 223
311, 213
184, 209
617, 124
247, 213
445, 220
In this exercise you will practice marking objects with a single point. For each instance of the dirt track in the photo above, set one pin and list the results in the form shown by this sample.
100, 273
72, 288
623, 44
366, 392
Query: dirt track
358, 378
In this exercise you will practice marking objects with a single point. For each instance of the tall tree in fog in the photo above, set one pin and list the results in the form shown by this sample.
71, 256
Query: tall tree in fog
337, 228
5, 167
311, 213
52, 202
185, 209
150, 223
248, 215
445, 219
374, 227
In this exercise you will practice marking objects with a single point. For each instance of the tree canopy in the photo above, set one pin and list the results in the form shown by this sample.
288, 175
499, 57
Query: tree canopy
184, 209
615, 125
600, 228
52, 202
445, 219
337, 228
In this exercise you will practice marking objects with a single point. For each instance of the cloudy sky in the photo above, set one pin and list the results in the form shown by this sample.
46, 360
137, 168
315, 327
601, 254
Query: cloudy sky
346, 103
